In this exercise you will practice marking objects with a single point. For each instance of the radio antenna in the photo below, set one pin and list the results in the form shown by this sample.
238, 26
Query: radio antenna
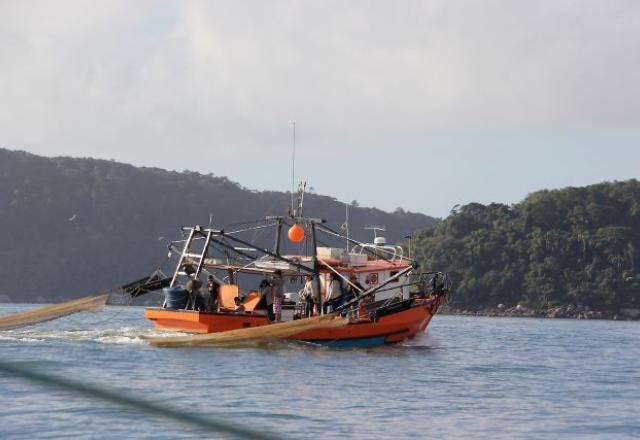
293, 167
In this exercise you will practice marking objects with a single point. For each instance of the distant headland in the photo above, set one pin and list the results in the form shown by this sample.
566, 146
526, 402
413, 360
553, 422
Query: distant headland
573, 252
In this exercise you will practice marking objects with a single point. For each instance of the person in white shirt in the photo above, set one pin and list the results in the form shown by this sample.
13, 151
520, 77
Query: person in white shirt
309, 294
335, 290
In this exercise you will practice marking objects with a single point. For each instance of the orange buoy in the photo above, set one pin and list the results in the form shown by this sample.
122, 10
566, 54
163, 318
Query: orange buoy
296, 233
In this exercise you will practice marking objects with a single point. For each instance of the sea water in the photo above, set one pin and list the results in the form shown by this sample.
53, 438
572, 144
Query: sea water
467, 377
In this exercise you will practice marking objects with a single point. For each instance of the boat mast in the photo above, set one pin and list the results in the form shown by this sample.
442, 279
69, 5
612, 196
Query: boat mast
276, 247
316, 272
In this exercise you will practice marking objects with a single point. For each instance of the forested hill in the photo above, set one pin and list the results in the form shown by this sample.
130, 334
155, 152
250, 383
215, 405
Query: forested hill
576, 246
69, 227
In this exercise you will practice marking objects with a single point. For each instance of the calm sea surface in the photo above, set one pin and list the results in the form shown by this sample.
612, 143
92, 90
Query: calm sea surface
467, 377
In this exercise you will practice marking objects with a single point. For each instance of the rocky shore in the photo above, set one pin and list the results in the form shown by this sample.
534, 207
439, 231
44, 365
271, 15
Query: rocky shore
569, 311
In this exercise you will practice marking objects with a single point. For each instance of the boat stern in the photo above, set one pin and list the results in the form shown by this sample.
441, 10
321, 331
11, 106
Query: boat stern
201, 322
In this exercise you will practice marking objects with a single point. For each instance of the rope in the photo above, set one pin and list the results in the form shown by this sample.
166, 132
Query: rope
208, 422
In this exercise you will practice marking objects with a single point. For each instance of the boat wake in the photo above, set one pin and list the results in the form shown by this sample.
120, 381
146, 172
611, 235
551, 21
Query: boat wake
120, 335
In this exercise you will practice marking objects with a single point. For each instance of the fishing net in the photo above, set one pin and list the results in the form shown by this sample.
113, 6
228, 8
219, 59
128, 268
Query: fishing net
253, 334
87, 304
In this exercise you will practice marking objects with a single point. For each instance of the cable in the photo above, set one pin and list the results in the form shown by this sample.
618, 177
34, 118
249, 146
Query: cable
207, 423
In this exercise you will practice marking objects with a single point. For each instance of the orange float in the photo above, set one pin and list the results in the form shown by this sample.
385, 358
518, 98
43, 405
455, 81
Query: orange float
296, 233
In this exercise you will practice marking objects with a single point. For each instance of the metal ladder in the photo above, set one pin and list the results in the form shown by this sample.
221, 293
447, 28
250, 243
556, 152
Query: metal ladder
187, 254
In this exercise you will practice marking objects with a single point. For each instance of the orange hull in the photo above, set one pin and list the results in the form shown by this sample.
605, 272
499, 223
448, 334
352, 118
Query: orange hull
201, 322
393, 327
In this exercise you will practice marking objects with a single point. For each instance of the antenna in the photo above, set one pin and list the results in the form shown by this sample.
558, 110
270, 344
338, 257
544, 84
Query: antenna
302, 187
409, 237
346, 221
293, 166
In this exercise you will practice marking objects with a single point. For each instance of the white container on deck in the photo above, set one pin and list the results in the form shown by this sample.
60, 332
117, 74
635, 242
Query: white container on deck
327, 252
356, 259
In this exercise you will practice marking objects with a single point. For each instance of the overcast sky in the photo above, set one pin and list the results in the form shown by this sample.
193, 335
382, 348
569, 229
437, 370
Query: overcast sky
422, 105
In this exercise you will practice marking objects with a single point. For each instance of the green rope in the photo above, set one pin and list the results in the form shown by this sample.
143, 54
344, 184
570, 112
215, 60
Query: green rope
118, 398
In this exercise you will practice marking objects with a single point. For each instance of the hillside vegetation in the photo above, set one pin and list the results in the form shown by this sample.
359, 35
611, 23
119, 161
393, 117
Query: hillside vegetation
571, 246
69, 227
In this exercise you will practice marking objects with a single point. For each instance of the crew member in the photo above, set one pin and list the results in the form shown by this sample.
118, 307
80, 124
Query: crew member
308, 294
334, 293
267, 295
354, 288
277, 294
212, 288
193, 288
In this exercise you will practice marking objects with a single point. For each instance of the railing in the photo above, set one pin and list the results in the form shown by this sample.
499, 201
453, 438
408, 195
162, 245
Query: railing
384, 252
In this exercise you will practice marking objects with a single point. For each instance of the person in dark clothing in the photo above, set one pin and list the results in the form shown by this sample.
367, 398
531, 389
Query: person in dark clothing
239, 306
212, 288
354, 288
266, 292
193, 288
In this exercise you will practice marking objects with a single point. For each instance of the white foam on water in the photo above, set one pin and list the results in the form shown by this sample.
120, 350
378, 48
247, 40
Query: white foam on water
19, 339
121, 340
422, 340
121, 335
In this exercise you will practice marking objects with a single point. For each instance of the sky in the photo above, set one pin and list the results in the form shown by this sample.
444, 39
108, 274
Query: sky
415, 104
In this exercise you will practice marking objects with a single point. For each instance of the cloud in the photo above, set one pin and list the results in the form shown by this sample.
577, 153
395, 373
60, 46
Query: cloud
144, 79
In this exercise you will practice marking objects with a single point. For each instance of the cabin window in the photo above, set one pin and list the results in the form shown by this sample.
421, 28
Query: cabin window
393, 274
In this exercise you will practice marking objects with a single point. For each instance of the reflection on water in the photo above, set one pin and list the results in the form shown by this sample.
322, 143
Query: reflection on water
468, 377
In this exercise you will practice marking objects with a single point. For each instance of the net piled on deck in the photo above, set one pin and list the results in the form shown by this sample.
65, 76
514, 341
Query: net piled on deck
42, 314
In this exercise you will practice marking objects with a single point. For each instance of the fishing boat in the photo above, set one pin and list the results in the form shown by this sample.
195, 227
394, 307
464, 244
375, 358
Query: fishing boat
388, 301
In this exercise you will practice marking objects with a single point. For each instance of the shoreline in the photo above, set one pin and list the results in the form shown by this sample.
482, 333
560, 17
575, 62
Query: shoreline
560, 312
